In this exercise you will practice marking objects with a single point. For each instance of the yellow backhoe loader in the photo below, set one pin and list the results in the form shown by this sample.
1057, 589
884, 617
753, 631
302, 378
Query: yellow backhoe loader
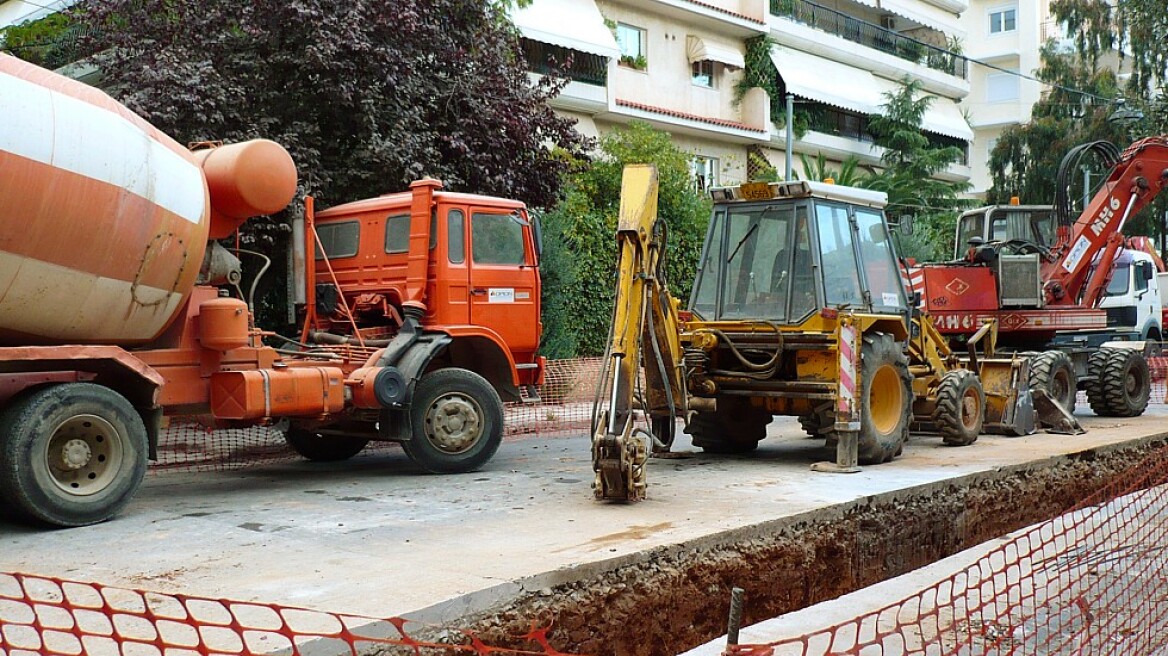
798, 308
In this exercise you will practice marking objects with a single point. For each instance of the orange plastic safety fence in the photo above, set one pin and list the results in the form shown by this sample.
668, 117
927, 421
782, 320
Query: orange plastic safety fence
42, 615
1093, 581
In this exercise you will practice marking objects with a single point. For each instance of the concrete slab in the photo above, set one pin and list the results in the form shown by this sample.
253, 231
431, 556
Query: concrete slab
373, 537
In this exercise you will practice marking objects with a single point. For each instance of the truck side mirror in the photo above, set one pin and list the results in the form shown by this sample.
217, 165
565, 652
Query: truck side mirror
537, 233
905, 225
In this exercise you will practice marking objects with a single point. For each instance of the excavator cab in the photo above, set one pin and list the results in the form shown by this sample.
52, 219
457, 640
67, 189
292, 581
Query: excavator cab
782, 252
1020, 228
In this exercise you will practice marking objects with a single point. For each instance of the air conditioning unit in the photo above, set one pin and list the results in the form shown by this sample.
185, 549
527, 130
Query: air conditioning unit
888, 21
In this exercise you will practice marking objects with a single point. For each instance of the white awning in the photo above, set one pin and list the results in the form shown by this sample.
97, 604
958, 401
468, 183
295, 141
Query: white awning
925, 14
857, 90
572, 24
827, 81
706, 49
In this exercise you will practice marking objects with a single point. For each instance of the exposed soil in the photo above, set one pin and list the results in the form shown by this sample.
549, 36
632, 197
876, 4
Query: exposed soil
678, 597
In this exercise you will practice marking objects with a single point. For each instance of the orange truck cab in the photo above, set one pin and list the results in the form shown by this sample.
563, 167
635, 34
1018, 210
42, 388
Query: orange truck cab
434, 299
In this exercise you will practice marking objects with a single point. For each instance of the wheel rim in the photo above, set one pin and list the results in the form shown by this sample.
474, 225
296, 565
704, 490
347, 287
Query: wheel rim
1134, 381
454, 423
84, 455
1060, 387
969, 409
885, 400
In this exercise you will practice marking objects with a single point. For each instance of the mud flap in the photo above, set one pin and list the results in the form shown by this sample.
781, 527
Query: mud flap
411, 361
1053, 417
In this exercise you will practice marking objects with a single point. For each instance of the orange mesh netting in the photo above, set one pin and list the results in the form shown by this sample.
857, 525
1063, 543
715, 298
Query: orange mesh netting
1092, 581
41, 615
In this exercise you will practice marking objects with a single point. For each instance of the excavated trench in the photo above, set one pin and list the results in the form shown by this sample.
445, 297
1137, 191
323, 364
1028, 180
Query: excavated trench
674, 598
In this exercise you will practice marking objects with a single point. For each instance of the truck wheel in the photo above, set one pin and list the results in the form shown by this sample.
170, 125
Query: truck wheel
1119, 383
1054, 373
960, 407
885, 399
322, 448
74, 455
734, 428
457, 421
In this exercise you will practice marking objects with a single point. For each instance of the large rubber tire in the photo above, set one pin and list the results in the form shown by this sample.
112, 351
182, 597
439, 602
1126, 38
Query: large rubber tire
819, 423
1118, 382
960, 409
323, 448
1054, 373
73, 454
457, 422
885, 399
735, 427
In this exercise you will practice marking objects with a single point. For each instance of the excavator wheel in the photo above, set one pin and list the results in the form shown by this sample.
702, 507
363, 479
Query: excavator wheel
1118, 382
960, 408
74, 455
323, 448
885, 399
1053, 372
734, 428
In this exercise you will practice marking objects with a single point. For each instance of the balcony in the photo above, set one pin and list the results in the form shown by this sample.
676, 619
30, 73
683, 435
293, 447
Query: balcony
873, 36
583, 67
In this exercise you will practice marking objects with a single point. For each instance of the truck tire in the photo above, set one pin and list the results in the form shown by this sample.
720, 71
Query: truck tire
734, 428
73, 454
960, 408
819, 423
1054, 373
457, 422
321, 448
1118, 382
885, 399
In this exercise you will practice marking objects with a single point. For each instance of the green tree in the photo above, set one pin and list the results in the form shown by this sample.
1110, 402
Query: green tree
580, 237
910, 165
1135, 30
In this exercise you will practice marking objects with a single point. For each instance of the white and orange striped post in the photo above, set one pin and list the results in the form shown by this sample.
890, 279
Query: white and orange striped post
847, 413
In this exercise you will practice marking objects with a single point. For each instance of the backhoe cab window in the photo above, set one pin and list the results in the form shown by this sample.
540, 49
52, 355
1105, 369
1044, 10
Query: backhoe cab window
762, 256
497, 238
884, 284
841, 278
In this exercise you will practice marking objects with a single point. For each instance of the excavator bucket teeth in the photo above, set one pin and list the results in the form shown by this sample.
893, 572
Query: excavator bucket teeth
1054, 417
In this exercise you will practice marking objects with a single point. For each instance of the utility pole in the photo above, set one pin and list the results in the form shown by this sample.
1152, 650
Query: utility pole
790, 132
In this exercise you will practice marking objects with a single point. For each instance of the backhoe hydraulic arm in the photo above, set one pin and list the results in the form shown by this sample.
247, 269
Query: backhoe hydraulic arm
644, 321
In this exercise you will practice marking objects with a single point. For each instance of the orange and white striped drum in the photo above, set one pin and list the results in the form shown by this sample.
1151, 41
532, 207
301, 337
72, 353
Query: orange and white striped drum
103, 218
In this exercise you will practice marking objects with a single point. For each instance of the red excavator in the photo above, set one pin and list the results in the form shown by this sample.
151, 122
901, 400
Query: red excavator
1042, 273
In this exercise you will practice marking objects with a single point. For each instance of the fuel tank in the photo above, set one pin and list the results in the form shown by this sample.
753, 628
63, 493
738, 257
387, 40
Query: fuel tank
104, 219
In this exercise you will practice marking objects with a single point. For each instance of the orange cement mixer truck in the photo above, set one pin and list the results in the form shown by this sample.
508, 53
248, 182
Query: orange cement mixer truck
112, 315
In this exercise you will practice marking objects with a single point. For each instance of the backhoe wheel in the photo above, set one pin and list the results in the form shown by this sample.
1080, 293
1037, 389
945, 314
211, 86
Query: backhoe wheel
885, 399
819, 423
960, 407
323, 448
73, 454
736, 427
457, 422
1118, 382
1053, 372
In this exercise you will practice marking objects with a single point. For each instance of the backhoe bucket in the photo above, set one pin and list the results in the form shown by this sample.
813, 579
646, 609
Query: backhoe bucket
1009, 405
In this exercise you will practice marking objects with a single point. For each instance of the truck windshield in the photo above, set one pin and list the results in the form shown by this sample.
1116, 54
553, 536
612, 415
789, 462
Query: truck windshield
756, 264
1119, 280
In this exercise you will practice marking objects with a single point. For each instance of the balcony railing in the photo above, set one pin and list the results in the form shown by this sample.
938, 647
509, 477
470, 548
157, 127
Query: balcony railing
55, 51
546, 59
860, 31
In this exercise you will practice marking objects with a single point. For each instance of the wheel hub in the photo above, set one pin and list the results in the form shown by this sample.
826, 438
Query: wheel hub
84, 455
75, 454
454, 423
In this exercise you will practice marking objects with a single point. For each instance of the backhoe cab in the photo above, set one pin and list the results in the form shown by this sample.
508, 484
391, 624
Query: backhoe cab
798, 309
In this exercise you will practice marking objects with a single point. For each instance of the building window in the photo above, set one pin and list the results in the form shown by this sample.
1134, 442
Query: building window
1003, 20
631, 41
705, 172
1001, 87
703, 74
990, 145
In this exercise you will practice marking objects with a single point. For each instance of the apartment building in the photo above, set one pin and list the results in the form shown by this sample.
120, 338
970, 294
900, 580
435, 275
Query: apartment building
675, 64
1008, 35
